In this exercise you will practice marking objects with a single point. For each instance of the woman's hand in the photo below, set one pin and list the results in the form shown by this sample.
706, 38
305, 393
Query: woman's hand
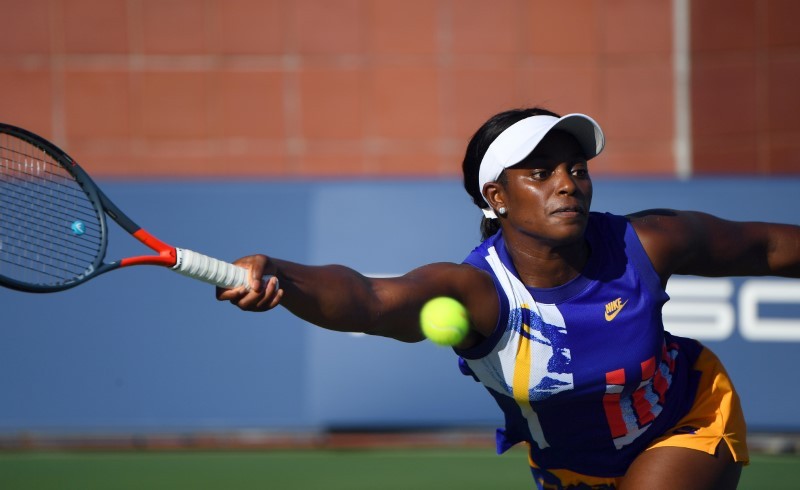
262, 295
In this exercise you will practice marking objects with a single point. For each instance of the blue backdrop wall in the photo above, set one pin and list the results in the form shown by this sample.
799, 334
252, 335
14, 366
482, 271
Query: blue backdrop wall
144, 350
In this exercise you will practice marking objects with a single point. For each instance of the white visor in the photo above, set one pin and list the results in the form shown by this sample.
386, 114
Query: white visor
521, 138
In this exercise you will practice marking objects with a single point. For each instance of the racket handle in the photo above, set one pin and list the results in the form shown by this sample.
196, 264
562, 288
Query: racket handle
210, 270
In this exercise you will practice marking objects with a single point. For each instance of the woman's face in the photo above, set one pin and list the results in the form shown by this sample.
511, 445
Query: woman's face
548, 195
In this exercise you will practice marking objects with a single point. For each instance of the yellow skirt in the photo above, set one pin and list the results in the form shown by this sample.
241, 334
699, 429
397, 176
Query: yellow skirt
716, 414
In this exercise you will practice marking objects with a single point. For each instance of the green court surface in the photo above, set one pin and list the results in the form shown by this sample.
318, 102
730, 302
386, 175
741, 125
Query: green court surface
307, 469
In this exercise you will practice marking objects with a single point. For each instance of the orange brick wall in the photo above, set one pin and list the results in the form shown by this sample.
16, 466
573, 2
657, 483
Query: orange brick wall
746, 86
350, 88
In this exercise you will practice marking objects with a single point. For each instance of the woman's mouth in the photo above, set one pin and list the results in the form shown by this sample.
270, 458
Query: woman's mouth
570, 211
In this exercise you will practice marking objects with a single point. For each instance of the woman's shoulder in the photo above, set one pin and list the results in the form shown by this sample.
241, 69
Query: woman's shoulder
666, 235
665, 226
606, 227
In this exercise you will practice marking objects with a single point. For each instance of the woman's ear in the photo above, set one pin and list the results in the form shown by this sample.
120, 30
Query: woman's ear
493, 192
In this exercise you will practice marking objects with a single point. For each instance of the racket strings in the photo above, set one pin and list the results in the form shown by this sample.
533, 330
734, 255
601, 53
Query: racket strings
50, 231
48, 217
23, 225
40, 163
37, 190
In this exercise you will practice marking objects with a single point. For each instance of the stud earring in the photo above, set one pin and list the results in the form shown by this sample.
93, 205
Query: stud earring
502, 211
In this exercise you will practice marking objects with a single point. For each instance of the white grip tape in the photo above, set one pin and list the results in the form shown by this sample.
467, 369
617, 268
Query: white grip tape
210, 270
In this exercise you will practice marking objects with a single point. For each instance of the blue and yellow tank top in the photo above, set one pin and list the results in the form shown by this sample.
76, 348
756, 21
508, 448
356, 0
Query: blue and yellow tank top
584, 372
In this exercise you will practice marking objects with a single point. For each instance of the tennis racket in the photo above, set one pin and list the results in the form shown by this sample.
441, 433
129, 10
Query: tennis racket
53, 230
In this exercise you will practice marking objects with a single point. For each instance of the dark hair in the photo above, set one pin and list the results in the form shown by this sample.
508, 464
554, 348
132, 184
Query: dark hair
477, 147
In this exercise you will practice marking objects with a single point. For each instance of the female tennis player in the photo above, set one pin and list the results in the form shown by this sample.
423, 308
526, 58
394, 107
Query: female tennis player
565, 309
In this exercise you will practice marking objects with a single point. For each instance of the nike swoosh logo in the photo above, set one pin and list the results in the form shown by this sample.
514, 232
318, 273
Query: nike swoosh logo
611, 315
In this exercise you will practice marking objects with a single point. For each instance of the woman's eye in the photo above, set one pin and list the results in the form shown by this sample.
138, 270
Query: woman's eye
539, 174
580, 171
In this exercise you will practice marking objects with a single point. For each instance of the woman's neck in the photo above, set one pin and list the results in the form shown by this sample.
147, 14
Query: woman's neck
547, 266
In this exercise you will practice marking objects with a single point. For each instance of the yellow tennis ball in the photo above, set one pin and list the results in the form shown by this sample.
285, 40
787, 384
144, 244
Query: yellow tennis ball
444, 321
